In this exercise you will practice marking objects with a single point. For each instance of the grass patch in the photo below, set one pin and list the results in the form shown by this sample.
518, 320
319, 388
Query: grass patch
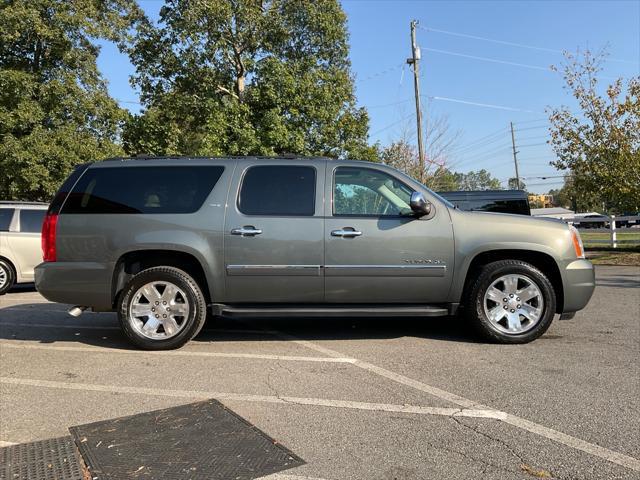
614, 257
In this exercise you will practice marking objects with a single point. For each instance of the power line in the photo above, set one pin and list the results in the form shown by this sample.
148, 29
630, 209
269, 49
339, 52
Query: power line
478, 104
512, 44
392, 124
381, 73
530, 128
532, 144
480, 140
492, 60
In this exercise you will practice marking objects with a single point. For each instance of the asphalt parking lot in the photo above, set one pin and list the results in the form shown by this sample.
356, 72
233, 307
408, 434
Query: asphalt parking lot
356, 399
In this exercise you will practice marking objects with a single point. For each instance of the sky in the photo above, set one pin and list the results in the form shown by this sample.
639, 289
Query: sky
484, 64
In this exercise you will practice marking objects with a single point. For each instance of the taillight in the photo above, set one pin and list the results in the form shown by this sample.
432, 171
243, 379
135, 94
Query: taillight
49, 237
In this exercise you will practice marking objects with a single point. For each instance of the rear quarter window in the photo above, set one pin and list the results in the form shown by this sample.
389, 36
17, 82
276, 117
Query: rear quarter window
31, 220
6, 215
127, 190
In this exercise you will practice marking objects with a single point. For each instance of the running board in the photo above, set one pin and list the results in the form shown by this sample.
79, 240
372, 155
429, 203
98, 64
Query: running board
328, 310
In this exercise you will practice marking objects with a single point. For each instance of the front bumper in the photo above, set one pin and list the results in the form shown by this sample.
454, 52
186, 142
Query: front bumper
579, 282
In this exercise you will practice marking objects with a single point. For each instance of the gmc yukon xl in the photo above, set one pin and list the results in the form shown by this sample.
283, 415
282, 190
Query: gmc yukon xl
166, 241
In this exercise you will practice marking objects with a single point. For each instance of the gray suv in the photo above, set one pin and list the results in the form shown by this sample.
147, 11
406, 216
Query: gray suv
164, 241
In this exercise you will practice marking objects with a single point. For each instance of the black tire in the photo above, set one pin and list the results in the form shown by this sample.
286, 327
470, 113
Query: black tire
193, 296
6, 270
475, 301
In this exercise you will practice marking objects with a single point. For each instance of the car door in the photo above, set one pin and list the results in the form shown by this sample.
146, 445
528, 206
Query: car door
274, 227
376, 250
25, 243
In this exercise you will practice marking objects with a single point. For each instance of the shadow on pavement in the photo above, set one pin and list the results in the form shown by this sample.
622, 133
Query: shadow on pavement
49, 323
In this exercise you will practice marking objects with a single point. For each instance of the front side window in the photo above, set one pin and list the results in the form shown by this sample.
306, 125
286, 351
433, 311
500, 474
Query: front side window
31, 220
172, 189
6, 215
369, 192
278, 190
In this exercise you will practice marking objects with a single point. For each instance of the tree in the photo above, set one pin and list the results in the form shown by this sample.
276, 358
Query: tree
514, 184
600, 145
55, 111
480, 180
439, 139
246, 77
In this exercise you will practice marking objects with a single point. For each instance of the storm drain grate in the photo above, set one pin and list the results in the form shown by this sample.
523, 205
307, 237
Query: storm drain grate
52, 459
203, 440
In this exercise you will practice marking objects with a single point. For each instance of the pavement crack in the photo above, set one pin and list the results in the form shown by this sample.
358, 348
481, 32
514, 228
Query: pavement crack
524, 465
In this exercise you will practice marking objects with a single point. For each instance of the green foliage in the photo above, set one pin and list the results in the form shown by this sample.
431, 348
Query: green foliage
514, 184
480, 180
246, 77
54, 108
600, 145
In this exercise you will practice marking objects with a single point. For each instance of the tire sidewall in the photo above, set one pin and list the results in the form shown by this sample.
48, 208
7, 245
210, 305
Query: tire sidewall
497, 270
10, 277
197, 307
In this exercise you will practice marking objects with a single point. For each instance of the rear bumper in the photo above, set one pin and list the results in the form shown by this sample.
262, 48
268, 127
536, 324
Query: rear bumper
579, 283
78, 283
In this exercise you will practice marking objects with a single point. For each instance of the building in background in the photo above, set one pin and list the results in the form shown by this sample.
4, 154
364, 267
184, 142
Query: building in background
540, 201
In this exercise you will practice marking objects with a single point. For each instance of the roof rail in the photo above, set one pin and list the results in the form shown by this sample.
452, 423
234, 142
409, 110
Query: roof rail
286, 156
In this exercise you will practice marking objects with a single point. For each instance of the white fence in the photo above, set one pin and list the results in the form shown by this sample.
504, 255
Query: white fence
611, 225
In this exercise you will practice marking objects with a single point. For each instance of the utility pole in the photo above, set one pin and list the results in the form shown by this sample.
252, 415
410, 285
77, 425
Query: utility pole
515, 155
414, 60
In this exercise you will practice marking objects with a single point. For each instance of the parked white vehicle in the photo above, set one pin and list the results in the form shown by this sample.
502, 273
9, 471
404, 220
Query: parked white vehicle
20, 245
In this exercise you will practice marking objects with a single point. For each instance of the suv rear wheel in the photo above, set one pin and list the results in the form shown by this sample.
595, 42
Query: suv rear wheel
7, 278
511, 301
161, 308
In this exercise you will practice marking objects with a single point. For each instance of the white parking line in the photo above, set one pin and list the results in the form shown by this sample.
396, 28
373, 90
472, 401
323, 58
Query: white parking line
283, 476
59, 325
177, 353
549, 433
201, 395
6, 444
115, 327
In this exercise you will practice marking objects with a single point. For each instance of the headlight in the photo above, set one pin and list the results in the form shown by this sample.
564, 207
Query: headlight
577, 241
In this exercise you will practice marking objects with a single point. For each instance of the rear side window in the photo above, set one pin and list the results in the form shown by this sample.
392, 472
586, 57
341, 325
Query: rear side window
6, 214
278, 190
31, 220
58, 200
142, 189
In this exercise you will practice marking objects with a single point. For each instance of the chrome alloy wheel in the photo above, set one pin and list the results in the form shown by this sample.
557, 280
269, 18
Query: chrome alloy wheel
4, 276
513, 304
159, 310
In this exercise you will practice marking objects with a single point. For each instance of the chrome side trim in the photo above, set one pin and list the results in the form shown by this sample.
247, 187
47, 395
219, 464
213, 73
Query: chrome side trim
385, 270
288, 270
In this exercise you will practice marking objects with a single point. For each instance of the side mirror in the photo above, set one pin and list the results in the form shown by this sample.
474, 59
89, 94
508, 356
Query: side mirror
419, 204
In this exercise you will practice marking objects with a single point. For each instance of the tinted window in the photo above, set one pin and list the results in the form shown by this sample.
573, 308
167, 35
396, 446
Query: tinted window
6, 214
31, 220
60, 197
369, 192
520, 207
142, 189
278, 190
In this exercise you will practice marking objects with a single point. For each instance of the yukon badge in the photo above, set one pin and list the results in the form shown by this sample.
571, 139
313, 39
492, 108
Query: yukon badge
423, 261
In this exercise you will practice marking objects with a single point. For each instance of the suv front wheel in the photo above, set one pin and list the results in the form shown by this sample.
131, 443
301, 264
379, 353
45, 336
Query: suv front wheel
511, 301
161, 308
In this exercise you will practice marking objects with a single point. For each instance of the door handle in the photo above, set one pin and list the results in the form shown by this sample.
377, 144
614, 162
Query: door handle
246, 231
345, 233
